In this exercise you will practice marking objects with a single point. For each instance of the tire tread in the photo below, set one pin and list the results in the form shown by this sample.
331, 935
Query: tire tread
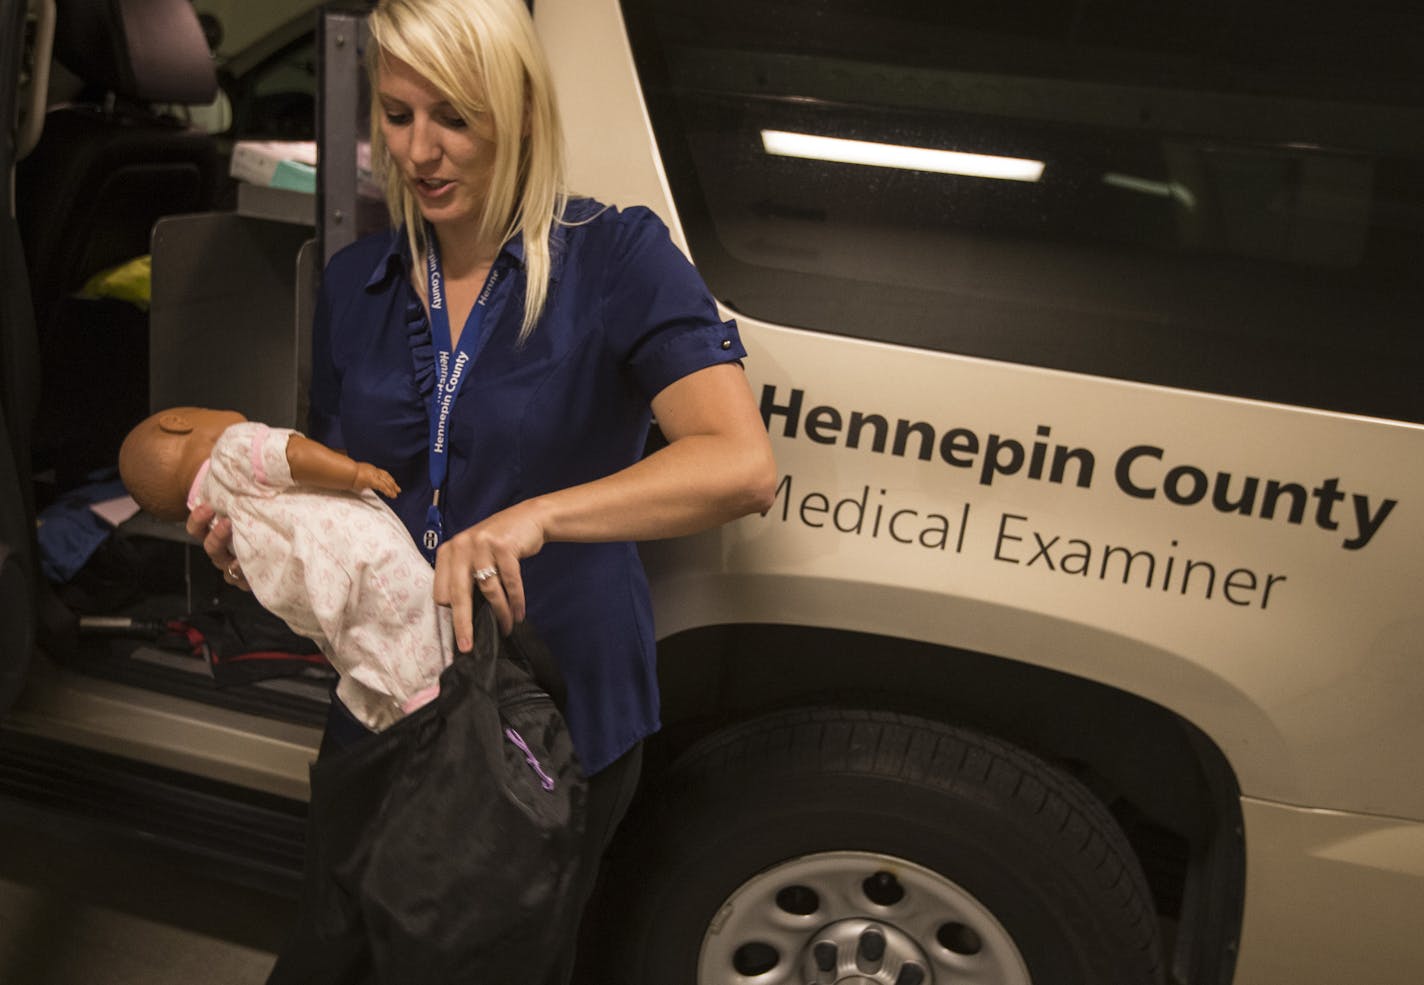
889, 744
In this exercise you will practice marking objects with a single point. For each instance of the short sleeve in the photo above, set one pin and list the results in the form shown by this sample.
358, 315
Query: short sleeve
659, 316
324, 395
251, 458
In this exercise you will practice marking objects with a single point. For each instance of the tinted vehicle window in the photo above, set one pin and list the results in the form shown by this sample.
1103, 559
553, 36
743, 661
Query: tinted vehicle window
1224, 195
276, 100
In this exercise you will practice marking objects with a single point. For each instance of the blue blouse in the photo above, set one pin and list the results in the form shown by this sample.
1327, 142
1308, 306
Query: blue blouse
626, 315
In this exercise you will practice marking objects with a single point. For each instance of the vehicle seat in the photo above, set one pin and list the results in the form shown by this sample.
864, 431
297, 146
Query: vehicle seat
108, 166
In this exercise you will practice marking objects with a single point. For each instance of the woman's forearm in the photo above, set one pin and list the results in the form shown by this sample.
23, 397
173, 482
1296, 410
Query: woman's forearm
695, 482
716, 466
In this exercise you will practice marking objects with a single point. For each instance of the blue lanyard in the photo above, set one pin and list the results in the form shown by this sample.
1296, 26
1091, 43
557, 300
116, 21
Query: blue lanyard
451, 364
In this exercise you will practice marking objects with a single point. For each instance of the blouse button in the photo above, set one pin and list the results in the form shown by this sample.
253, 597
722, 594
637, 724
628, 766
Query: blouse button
726, 343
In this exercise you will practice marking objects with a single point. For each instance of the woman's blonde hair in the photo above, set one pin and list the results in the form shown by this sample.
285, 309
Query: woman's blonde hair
484, 58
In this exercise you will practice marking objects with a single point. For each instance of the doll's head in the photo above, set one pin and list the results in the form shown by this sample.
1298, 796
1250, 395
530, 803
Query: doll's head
161, 456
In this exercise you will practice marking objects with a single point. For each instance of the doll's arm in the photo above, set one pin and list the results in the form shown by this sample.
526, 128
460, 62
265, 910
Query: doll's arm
314, 464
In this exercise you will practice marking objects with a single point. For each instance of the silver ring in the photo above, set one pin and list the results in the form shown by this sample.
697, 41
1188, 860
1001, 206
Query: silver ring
233, 572
485, 574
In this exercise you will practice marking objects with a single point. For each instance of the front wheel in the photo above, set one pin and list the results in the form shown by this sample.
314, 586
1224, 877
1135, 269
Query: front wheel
831, 846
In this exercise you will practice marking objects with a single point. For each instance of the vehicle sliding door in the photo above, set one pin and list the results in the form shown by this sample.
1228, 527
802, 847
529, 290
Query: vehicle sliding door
18, 381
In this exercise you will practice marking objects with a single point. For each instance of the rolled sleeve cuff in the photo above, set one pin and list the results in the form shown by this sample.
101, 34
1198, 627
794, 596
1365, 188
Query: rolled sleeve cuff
686, 353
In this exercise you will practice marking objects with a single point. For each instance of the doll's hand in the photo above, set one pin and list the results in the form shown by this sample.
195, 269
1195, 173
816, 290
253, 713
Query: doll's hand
216, 535
485, 558
370, 477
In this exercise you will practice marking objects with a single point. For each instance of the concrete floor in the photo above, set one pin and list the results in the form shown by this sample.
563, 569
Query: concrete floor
78, 913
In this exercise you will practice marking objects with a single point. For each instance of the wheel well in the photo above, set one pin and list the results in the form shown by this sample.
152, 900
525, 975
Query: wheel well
1167, 784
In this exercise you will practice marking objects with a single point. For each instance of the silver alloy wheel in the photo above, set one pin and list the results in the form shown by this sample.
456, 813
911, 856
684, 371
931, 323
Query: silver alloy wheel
856, 918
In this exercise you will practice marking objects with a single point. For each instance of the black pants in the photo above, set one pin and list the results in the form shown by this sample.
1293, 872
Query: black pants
610, 792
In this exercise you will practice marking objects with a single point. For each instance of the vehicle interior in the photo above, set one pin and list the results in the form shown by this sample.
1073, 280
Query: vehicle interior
155, 281
139, 274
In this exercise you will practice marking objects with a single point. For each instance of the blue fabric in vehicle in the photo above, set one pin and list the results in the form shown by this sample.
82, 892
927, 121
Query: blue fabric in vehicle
69, 532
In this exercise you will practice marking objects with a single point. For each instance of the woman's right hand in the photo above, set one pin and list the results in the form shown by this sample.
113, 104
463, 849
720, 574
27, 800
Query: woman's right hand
216, 535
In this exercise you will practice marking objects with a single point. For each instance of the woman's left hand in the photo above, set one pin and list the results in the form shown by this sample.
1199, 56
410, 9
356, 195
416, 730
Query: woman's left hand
486, 558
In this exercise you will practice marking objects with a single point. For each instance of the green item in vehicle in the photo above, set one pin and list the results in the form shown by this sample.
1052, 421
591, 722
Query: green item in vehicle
131, 281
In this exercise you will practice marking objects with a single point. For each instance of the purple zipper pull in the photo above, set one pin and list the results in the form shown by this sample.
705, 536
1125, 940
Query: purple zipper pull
545, 780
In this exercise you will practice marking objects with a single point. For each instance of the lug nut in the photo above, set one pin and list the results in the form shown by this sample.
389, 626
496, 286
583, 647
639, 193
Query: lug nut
872, 946
910, 974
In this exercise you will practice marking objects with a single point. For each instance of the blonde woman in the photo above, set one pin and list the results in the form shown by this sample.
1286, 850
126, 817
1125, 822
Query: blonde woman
500, 352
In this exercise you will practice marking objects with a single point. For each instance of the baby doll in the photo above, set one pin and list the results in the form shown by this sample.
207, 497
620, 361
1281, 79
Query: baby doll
315, 543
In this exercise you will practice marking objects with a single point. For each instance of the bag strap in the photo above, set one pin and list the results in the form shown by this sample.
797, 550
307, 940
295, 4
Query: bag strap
524, 646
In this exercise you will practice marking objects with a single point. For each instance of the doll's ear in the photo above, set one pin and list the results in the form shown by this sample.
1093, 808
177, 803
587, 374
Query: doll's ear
175, 422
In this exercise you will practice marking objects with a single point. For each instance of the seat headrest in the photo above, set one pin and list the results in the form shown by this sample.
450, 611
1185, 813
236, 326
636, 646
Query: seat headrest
149, 50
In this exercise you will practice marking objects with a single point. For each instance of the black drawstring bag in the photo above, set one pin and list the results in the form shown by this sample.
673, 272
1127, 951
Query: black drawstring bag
443, 849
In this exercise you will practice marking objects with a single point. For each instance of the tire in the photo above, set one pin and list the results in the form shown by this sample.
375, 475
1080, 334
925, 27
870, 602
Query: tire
840, 846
